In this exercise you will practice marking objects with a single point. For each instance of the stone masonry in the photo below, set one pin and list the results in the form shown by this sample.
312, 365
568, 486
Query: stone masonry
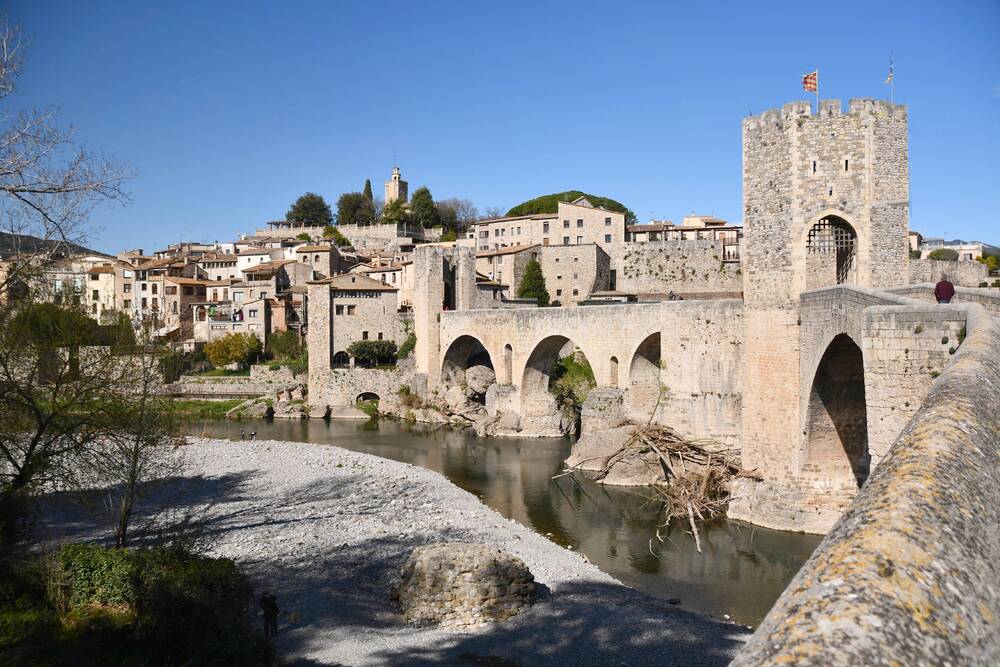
463, 585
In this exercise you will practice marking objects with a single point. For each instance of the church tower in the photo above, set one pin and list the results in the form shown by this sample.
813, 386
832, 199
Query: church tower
396, 188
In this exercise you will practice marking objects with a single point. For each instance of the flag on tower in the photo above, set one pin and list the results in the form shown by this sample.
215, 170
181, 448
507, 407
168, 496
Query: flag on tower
810, 82
888, 79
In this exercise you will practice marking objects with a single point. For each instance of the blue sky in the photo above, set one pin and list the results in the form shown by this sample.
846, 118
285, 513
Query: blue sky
228, 111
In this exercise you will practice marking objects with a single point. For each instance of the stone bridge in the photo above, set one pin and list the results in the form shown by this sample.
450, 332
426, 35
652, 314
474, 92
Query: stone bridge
690, 348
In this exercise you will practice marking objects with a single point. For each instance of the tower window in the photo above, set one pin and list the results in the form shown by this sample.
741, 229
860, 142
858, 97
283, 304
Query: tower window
831, 191
814, 166
846, 165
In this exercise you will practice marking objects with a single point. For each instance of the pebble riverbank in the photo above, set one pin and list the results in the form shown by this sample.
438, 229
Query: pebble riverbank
326, 530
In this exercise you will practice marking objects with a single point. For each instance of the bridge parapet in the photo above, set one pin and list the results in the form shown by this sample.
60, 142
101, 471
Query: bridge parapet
911, 573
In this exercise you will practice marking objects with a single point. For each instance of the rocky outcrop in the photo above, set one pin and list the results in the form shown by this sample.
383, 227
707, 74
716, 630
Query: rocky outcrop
463, 585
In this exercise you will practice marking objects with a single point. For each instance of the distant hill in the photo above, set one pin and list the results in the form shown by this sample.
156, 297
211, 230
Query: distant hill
9, 243
550, 204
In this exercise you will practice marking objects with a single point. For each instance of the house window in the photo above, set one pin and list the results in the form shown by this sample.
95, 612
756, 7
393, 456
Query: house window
545, 227
846, 165
565, 224
545, 241
574, 276
252, 312
518, 231
173, 306
351, 309
188, 290
558, 292
93, 308
607, 222
565, 240
94, 276
127, 287
380, 335
607, 238
579, 223
579, 240
814, 166
126, 304
558, 277
364, 335
576, 292
340, 310
144, 303
95, 295
144, 286
154, 288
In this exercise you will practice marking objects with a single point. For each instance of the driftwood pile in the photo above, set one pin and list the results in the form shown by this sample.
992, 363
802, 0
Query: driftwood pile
696, 473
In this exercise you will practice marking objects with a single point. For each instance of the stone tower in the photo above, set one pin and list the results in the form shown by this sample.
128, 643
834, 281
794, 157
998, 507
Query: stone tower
396, 188
825, 201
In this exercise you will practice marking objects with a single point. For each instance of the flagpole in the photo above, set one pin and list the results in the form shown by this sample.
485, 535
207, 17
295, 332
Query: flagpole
817, 91
892, 81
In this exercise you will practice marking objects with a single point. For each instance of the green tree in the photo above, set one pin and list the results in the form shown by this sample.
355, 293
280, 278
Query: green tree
395, 213
372, 352
310, 209
353, 208
234, 348
368, 193
339, 240
992, 262
284, 345
303, 237
423, 210
943, 255
533, 284
550, 204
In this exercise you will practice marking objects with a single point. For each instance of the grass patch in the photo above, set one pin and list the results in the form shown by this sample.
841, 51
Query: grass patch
192, 409
223, 373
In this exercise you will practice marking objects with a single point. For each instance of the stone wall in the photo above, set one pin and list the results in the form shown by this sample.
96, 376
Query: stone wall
340, 387
674, 266
571, 272
987, 297
967, 274
910, 573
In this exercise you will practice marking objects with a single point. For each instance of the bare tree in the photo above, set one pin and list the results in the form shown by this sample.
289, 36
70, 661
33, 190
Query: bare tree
463, 211
49, 183
121, 469
493, 212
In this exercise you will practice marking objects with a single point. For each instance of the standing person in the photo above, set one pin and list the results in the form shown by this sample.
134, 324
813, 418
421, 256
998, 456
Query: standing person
253, 435
243, 433
269, 610
944, 290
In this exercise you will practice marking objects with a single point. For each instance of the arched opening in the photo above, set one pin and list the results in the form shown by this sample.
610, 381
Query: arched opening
468, 364
367, 396
613, 372
836, 418
556, 379
644, 377
201, 313
341, 359
508, 365
831, 253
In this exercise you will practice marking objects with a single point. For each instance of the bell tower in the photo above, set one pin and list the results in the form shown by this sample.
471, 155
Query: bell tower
396, 187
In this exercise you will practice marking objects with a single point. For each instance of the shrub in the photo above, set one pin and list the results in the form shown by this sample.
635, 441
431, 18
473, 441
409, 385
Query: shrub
943, 255
274, 367
195, 609
95, 575
234, 348
339, 240
284, 345
407, 347
915, 254
371, 352
369, 407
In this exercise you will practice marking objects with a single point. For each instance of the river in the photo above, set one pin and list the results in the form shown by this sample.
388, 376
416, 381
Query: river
739, 574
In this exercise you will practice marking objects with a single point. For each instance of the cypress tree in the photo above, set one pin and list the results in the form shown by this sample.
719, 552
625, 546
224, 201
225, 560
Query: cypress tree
368, 193
533, 284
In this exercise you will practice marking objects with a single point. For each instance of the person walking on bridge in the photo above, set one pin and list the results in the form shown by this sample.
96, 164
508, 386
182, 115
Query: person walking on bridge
944, 290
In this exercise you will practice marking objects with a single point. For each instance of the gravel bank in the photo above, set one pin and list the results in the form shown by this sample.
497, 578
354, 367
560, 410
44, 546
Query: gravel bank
326, 529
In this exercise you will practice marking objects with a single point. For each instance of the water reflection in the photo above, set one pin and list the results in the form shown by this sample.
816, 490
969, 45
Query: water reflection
740, 573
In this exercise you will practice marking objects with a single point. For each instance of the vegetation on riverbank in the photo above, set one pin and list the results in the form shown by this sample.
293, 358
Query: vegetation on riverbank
200, 409
88, 604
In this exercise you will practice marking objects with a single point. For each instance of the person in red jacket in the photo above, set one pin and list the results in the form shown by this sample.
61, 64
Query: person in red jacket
944, 290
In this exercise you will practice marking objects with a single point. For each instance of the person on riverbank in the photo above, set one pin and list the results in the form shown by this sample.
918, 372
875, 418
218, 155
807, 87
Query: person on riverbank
269, 611
944, 291
243, 433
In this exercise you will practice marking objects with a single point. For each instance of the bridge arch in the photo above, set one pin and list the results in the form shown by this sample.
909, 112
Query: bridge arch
644, 376
836, 418
463, 353
535, 396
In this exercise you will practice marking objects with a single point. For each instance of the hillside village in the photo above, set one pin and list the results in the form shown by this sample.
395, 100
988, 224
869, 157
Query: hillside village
191, 293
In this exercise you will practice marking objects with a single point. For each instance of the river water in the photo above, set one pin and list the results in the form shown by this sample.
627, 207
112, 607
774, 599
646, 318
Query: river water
740, 572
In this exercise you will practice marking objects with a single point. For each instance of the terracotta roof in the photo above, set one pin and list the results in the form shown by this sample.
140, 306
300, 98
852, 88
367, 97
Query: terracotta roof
217, 256
506, 251
267, 267
187, 281
313, 248
256, 251
534, 216
354, 282
102, 269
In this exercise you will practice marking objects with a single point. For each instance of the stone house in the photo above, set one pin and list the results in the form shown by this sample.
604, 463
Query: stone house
251, 257
572, 273
213, 320
398, 275
100, 294
268, 279
575, 223
178, 295
219, 266
323, 258
349, 308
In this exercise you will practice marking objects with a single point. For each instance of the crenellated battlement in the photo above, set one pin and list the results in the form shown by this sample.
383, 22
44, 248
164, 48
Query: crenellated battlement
802, 111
